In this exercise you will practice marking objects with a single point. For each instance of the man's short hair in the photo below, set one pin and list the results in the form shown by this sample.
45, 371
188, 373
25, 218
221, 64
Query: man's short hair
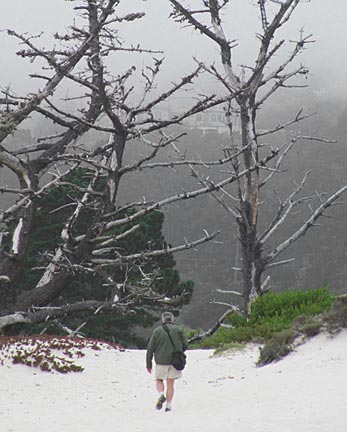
167, 317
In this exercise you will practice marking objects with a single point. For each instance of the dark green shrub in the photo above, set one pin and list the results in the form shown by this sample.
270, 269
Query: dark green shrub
236, 319
311, 328
224, 336
276, 348
337, 315
281, 309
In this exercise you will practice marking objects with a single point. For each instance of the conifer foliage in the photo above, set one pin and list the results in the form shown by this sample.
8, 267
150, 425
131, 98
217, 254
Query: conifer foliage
55, 208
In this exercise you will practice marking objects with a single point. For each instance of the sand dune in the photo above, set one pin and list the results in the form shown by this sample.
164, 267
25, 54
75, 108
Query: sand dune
305, 392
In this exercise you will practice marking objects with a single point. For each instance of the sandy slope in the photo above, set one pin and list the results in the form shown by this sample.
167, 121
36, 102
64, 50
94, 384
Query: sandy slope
307, 391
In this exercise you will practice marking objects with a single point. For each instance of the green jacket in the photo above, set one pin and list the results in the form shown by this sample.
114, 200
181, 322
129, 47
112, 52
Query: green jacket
161, 347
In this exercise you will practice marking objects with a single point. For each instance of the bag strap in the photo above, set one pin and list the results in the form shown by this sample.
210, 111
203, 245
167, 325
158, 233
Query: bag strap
168, 332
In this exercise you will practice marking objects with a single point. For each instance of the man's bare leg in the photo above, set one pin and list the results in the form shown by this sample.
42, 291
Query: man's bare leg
169, 392
160, 388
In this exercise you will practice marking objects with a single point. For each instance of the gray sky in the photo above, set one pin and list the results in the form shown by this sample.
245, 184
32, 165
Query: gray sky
326, 20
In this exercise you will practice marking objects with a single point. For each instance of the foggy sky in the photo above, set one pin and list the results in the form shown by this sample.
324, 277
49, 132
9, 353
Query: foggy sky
326, 20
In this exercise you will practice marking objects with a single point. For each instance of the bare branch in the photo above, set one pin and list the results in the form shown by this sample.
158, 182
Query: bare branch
279, 263
142, 256
306, 225
229, 292
298, 118
215, 327
284, 210
5, 214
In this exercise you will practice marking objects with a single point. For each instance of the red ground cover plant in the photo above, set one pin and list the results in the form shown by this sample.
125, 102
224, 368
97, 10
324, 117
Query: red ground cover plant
49, 353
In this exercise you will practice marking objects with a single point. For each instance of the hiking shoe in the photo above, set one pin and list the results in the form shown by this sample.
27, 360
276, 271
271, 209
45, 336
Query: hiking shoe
160, 402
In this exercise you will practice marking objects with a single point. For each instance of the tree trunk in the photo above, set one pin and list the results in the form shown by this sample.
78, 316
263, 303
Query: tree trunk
12, 263
247, 237
42, 295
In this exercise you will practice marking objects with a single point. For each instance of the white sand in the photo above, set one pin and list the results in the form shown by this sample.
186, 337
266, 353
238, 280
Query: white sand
305, 392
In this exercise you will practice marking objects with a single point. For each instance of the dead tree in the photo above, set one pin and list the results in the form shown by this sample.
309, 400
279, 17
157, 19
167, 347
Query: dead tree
249, 87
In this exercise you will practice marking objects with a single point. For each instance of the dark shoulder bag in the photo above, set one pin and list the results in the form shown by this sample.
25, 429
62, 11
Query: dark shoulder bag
179, 359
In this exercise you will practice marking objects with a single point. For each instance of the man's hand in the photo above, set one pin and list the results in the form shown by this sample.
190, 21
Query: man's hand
149, 370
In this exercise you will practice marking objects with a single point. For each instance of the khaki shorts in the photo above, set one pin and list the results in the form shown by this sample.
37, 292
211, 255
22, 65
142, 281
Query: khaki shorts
166, 371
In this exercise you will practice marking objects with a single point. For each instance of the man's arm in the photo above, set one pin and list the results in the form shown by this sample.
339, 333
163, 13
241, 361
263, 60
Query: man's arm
149, 353
185, 342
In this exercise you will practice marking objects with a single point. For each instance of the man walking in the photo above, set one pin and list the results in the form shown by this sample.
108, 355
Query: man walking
162, 348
